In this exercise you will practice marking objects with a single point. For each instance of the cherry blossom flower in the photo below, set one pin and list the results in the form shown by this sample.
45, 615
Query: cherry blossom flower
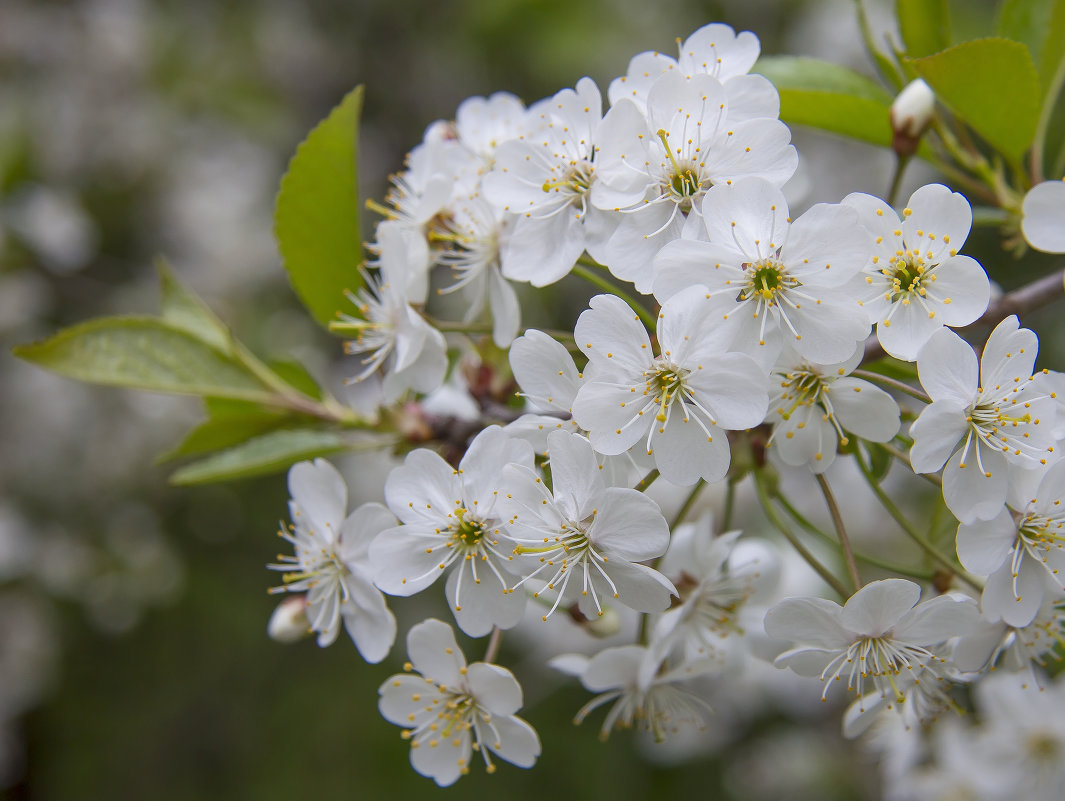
716, 50
775, 280
544, 178
642, 696
988, 417
331, 563
679, 402
1021, 551
915, 282
1043, 216
451, 519
654, 170
815, 406
881, 636
583, 538
453, 709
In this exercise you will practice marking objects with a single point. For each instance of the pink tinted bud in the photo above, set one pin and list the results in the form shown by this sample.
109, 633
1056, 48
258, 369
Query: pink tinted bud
289, 622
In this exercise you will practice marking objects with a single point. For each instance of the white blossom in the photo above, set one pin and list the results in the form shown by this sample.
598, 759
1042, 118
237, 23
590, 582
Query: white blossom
331, 564
583, 538
452, 519
679, 402
984, 418
1043, 216
915, 282
453, 709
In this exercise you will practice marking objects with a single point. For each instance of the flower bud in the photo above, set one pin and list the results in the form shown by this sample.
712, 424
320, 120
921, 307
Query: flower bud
289, 622
910, 115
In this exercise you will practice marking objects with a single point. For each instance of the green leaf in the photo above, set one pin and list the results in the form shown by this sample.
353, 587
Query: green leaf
829, 97
924, 25
268, 453
992, 85
317, 216
144, 353
1040, 24
296, 376
184, 309
216, 433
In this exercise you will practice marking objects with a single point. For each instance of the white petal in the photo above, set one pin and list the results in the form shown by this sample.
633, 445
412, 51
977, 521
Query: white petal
433, 652
321, 494
971, 493
939, 223
613, 667
937, 620
372, 630
809, 621
947, 368
397, 702
610, 332
864, 409
936, 433
983, 545
1016, 608
879, 605
750, 214
963, 282
484, 604
407, 559
574, 473
684, 452
826, 245
518, 743
544, 370
494, 687
1043, 220
359, 530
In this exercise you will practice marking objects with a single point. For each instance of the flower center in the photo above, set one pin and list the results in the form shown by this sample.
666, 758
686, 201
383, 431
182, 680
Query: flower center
468, 531
906, 273
766, 278
1041, 532
576, 181
665, 383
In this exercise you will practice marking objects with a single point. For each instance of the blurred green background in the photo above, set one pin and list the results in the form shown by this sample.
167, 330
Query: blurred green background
133, 657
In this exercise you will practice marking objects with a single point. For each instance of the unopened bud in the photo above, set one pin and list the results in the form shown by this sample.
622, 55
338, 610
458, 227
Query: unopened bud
910, 115
289, 622
605, 625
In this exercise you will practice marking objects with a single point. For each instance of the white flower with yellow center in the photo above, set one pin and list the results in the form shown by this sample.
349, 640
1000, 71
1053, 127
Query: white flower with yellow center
1021, 550
775, 280
654, 170
678, 403
915, 282
583, 538
983, 418
813, 407
543, 178
451, 519
716, 50
453, 710
881, 636
331, 562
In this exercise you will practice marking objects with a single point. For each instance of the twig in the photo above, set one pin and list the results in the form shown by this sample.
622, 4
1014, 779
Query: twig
837, 521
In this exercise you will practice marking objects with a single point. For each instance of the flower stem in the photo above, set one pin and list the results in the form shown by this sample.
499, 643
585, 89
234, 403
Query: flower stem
922, 541
896, 177
887, 381
687, 505
789, 535
611, 288
647, 481
730, 505
837, 521
870, 560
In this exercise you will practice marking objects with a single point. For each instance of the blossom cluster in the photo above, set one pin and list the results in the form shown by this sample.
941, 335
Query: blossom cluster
743, 328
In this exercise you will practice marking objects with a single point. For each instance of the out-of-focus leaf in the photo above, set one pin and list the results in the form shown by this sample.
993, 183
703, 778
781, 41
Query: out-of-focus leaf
317, 216
268, 453
829, 97
924, 25
1040, 24
992, 85
144, 353
183, 309
296, 376
879, 461
217, 433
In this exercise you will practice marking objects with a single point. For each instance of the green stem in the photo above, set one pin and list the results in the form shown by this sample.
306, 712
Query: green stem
730, 504
944, 561
647, 481
875, 561
896, 178
887, 381
1050, 98
612, 289
837, 521
687, 505
789, 535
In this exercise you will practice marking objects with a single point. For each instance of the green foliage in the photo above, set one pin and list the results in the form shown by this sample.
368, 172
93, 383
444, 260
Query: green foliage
924, 25
829, 97
991, 85
216, 433
183, 309
144, 353
317, 217
263, 454
1039, 24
